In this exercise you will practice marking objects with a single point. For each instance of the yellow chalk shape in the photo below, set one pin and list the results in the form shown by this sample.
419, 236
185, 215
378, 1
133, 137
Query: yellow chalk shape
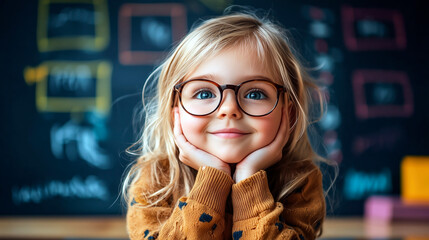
415, 179
99, 70
33, 75
97, 42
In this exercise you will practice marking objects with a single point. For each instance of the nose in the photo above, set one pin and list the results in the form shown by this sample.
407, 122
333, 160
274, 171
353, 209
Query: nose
228, 107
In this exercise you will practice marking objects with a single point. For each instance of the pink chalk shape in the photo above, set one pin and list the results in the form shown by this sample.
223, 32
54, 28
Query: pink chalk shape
379, 208
127, 56
365, 111
351, 15
389, 208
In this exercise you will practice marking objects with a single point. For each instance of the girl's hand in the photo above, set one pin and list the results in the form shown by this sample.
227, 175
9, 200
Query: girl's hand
267, 156
193, 156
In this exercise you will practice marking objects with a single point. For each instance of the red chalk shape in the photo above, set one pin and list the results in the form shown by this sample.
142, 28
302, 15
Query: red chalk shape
373, 29
130, 56
365, 109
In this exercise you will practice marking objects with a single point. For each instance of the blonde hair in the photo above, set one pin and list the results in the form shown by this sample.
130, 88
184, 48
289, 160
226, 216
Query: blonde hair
156, 148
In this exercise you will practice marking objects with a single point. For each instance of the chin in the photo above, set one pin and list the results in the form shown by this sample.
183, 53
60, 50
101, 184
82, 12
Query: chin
231, 158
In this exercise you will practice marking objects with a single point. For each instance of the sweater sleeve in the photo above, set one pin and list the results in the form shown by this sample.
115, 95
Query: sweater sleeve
201, 215
258, 216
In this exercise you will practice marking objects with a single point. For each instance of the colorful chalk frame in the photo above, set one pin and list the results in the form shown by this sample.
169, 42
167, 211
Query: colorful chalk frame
350, 15
100, 70
98, 42
365, 111
127, 56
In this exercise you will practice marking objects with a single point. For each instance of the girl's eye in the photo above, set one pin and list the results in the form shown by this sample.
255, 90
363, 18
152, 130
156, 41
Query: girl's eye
256, 95
204, 94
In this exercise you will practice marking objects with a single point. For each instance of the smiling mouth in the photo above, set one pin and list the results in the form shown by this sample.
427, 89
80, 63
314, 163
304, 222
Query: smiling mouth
229, 133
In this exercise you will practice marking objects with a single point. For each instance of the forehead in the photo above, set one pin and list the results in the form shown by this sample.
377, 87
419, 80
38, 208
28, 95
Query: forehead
234, 64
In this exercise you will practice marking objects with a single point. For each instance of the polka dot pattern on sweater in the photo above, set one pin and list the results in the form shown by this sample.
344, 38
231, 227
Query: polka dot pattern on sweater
182, 204
205, 217
237, 235
279, 226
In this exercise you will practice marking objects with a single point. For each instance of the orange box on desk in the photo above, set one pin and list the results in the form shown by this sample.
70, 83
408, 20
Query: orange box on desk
415, 179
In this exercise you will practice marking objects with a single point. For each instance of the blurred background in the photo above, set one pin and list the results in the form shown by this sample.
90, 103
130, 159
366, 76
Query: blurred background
72, 74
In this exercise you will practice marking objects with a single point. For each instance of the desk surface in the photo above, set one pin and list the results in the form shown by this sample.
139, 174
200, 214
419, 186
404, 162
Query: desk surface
114, 228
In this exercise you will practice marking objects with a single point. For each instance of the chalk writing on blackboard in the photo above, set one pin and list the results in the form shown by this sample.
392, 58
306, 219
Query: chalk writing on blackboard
90, 187
146, 31
74, 142
321, 22
381, 93
71, 86
373, 29
383, 139
360, 184
72, 25
332, 118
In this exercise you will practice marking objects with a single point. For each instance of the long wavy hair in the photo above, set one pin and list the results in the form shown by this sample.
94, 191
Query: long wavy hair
156, 149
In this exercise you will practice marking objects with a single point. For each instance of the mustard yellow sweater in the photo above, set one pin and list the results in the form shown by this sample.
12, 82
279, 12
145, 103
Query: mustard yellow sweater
202, 215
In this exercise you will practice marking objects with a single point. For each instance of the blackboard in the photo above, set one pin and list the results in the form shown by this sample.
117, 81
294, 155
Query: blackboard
72, 72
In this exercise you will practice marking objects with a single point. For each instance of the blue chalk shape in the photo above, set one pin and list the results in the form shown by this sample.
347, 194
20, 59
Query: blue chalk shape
182, 204
301, 237
214, 227
205, 217
237, 235
279, 226
133, 202
146, 233
151, 238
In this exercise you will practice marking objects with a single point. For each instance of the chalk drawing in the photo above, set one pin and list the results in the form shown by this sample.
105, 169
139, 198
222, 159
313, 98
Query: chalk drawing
71, 86
384, 94
320, 29
383, 139
371, 28
156, 32
177, 14
332, 118
359, 184
90, 187
321, 22
371, 31
74, 142
333, 145
78, 15
90, 31
71, 79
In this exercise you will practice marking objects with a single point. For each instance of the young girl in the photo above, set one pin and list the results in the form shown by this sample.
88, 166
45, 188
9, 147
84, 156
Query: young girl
224, 152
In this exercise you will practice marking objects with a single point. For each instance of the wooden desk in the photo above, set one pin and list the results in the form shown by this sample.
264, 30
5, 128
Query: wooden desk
114, 228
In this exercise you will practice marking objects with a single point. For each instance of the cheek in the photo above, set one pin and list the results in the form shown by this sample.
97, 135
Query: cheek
268, 127
192, 127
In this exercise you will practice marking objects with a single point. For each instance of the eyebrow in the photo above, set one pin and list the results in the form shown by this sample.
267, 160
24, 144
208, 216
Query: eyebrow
245, 78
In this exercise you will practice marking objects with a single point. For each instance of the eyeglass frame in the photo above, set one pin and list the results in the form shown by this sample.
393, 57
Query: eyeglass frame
178, 88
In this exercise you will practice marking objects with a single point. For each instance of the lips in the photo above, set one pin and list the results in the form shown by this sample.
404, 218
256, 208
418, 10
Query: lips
229, 133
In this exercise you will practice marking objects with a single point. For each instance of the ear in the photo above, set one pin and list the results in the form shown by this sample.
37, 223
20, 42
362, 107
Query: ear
174, 110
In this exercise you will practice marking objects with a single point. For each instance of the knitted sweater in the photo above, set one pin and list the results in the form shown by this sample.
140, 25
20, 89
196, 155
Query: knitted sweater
202, 215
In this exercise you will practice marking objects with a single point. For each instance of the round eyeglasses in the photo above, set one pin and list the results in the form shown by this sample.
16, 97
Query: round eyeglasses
256, 98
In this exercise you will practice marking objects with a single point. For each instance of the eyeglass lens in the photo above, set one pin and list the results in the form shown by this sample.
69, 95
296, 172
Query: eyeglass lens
254, 97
